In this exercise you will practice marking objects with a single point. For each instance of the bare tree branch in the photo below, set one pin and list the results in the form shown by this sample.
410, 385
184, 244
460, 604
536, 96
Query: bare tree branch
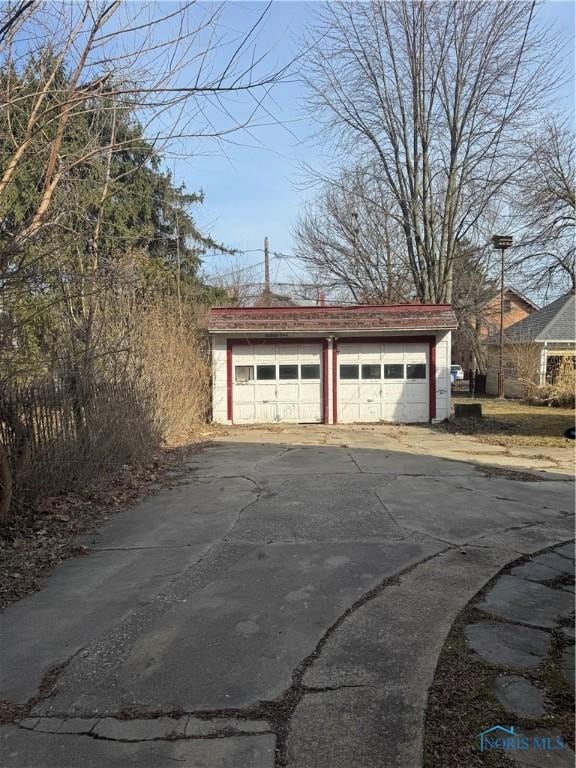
432, 97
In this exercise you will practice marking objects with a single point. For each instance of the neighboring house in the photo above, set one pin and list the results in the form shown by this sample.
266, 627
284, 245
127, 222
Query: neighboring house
469, 341
534, 348
331, 363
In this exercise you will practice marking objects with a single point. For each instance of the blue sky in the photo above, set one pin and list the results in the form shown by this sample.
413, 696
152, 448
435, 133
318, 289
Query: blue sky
254, 184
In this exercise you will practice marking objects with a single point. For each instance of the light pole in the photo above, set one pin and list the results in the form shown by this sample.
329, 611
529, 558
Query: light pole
501, 243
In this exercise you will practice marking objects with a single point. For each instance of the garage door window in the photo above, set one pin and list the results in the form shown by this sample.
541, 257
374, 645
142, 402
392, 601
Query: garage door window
416, 371
371, 371
310, 371
266, 372
244, 373
288, 371
349, 371
394, 371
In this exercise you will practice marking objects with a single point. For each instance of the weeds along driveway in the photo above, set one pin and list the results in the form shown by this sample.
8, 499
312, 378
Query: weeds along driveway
285, 607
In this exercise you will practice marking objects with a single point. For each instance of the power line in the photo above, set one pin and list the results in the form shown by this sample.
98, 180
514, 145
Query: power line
239, 269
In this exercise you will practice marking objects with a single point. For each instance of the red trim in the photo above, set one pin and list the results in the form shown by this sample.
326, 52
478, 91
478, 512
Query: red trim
229, 394
325, 381
432, 379
335, 381
327, 308
262, 340
230, 343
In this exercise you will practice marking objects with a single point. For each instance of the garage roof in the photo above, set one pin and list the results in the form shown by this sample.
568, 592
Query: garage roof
361, 317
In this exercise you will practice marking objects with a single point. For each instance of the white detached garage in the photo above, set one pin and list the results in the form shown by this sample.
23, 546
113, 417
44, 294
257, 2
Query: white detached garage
329, 364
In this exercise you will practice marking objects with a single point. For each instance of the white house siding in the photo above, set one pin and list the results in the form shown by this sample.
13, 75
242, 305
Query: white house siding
330, 377
219, 381
443, 386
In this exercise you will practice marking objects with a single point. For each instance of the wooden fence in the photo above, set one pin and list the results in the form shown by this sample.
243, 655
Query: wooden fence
59, 434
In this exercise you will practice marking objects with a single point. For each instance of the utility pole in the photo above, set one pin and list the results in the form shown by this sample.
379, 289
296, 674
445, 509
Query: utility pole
266, 267
501, 243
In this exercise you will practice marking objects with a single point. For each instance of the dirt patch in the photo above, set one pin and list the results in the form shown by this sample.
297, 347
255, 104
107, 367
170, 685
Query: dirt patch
509, 474
39, 538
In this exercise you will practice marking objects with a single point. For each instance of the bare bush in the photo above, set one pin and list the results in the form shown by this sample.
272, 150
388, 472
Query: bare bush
523, 364
562, 391
61, 437
173, 357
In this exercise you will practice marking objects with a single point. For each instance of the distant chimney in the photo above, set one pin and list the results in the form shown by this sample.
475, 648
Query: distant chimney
321, 299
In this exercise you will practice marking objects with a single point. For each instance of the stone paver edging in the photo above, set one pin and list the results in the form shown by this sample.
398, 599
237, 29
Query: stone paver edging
513, 646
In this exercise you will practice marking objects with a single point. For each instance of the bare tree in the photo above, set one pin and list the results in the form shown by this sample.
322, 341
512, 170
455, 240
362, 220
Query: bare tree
238, 282
545, 202
157, 63
431, 96
169, 72
349, 240
471, 298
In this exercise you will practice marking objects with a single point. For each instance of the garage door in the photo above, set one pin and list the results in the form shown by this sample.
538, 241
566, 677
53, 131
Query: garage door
277, 383
383, 382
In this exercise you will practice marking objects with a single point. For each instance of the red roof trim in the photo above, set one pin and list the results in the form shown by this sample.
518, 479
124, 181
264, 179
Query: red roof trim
327, 308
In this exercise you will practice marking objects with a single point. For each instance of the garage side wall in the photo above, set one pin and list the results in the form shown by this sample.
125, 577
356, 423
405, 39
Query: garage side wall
443, 362
219, 381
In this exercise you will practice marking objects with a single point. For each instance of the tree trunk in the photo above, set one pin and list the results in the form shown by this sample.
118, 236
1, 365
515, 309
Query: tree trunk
5, 486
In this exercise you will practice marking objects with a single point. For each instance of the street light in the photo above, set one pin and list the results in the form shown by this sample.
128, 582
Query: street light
501, 243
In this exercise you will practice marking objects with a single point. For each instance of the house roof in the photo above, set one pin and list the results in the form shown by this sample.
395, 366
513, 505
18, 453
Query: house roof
521, 296
555, 322
361, 317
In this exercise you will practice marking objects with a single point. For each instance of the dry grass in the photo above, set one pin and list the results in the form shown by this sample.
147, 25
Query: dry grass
58, 435
60, 438
173, 355
562, 392
517, 423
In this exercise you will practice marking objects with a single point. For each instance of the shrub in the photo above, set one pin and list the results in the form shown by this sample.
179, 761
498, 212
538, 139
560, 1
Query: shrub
174, 368
560, 393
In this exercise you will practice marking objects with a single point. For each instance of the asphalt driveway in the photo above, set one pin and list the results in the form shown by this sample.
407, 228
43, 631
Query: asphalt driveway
285, 607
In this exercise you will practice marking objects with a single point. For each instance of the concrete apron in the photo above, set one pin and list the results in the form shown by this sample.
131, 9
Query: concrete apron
285, 608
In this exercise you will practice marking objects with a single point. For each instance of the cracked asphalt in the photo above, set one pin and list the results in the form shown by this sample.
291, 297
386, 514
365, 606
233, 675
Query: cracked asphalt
285, 607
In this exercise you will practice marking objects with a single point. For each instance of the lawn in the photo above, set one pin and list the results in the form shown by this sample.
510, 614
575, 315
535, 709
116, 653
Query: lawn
515, 423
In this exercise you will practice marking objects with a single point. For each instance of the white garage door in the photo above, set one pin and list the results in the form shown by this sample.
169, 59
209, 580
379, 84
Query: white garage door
277, 383
383, 382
